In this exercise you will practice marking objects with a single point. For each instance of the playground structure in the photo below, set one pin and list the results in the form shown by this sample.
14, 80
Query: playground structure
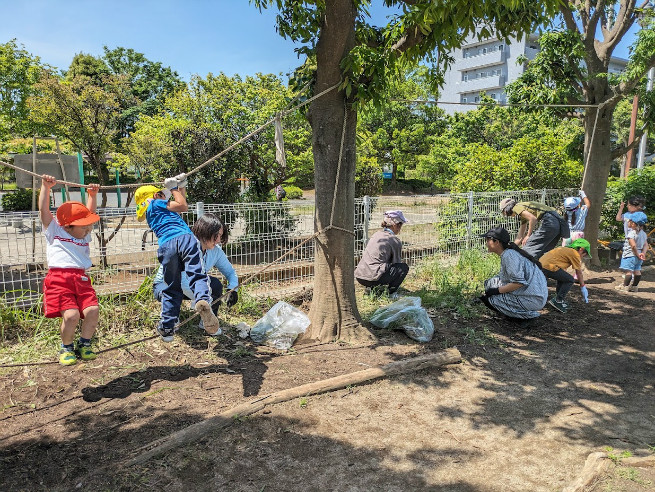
259, 234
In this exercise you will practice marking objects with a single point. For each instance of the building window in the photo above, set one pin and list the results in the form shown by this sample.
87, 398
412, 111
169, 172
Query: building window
463, 99
477, 99
500, 47
493, 96
484, 51
465, 78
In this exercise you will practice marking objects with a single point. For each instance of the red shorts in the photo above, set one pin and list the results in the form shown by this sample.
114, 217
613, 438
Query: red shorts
67, 288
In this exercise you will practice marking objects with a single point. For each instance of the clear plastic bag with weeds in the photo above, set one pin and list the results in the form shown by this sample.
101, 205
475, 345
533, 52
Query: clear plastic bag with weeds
405, 314
280, 326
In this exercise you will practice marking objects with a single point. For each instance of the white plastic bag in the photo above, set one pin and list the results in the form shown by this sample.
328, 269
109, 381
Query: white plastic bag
280, 326
406, 314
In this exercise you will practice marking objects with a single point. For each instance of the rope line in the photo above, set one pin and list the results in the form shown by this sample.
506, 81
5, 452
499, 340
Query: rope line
265, 267
510, 105
204, 164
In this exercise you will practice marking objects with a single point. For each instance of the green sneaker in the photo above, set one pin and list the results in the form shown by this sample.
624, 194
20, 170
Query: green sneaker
86, 352
67, 357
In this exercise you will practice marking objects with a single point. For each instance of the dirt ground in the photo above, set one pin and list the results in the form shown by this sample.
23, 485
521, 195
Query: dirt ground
520, 413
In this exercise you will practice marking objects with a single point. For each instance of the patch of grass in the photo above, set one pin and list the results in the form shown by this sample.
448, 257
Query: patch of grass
615, 456
448, 283
303, 402
479, 337
632, 474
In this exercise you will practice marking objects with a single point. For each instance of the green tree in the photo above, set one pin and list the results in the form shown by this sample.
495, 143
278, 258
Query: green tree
572, 67
19, 72
207, 117
85, 113
399, 130
359, 57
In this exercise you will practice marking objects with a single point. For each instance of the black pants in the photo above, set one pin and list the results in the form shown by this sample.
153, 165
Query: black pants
564, 282
546, 237
393, 277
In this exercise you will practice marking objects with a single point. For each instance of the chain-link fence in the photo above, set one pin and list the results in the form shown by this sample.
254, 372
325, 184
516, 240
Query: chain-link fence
124, 250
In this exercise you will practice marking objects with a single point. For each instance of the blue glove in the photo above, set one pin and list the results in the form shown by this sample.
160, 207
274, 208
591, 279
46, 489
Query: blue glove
585, 293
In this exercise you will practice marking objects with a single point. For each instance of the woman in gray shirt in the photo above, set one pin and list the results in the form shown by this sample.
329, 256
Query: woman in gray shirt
381, 262
519, 290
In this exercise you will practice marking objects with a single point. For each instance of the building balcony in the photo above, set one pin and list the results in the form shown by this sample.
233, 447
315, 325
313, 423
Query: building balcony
482, 84
480, 61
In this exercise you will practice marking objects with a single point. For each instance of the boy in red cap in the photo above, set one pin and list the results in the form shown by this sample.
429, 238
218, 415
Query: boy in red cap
67, 289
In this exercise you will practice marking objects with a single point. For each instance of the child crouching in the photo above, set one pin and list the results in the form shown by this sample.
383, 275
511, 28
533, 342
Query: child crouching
67, 289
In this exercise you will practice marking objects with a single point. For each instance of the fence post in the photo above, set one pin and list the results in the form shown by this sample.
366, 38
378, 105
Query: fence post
80, 166
543, 196
200, 209
469, 221
367, 210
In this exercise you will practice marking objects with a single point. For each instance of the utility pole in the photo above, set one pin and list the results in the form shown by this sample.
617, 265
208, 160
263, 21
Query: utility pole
644, 139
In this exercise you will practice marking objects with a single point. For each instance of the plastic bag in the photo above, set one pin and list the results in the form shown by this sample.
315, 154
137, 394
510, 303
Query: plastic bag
243, 330
280, 326
406, 314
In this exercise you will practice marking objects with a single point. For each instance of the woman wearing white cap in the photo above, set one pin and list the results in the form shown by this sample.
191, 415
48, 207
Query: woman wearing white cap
381, 261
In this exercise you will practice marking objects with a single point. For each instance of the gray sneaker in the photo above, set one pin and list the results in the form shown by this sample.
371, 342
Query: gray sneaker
166, 335
210, 321
201, 326
561, 306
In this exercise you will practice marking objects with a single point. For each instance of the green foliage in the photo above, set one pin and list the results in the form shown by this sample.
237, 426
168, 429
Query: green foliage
368, 177
19, 71
640, 183
450, 284
531, 163
293, 192
18, 200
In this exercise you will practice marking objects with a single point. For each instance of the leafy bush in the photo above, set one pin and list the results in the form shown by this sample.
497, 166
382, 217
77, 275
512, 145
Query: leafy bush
18, 200
368, 177
293, 192
618, 190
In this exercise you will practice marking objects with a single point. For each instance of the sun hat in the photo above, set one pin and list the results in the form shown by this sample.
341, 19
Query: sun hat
581, 243
397, 216
507, 203
638, 218
499, 233
143, 197
75, 214
571, 203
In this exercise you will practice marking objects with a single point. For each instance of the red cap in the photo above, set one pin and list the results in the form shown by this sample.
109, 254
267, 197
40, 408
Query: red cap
75, 213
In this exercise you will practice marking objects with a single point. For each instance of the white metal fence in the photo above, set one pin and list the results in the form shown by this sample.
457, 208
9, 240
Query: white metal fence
124, 250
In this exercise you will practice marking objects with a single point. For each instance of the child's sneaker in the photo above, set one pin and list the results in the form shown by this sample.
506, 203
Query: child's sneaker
561, 306
633, 288
167, 335
67, 357
86, 352
210, 321
201, 326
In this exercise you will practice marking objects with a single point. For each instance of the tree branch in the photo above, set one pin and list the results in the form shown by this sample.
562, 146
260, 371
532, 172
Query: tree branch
624, 21
624, 149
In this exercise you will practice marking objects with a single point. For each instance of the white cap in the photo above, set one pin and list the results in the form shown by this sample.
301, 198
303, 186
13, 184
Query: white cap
396, 215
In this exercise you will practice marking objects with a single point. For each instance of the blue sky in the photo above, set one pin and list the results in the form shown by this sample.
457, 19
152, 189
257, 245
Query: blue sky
190, 36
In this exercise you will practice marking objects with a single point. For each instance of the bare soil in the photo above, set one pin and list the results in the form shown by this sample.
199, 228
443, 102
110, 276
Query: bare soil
522, 411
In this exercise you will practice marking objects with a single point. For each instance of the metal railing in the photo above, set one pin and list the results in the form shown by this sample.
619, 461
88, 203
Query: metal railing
123, 250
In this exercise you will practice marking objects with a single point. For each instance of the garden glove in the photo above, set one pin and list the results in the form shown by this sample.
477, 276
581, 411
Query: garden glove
491, 291
585, 293
170, 183
182, 182
232, 298
582, 194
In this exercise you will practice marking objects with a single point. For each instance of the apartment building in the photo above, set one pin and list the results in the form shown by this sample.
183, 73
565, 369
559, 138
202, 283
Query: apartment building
487, 66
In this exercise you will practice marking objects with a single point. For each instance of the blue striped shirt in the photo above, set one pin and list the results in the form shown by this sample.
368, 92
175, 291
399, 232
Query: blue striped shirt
580, 218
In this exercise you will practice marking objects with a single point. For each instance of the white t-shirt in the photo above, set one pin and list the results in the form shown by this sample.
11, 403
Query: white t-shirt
66, 251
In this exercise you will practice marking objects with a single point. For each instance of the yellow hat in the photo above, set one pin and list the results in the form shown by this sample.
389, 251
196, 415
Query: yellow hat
144, 195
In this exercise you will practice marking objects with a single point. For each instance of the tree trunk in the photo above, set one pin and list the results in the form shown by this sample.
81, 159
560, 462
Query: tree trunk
334, 313
599, 160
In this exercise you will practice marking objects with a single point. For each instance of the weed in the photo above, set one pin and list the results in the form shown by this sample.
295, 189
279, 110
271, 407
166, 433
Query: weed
632, 474
303, 402
479, 337
616, 458
241, 352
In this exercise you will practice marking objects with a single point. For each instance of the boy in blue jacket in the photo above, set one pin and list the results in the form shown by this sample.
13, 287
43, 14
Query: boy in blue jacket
178, 251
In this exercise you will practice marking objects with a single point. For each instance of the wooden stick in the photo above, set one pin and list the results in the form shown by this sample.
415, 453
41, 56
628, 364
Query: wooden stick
596, 464
201, 430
